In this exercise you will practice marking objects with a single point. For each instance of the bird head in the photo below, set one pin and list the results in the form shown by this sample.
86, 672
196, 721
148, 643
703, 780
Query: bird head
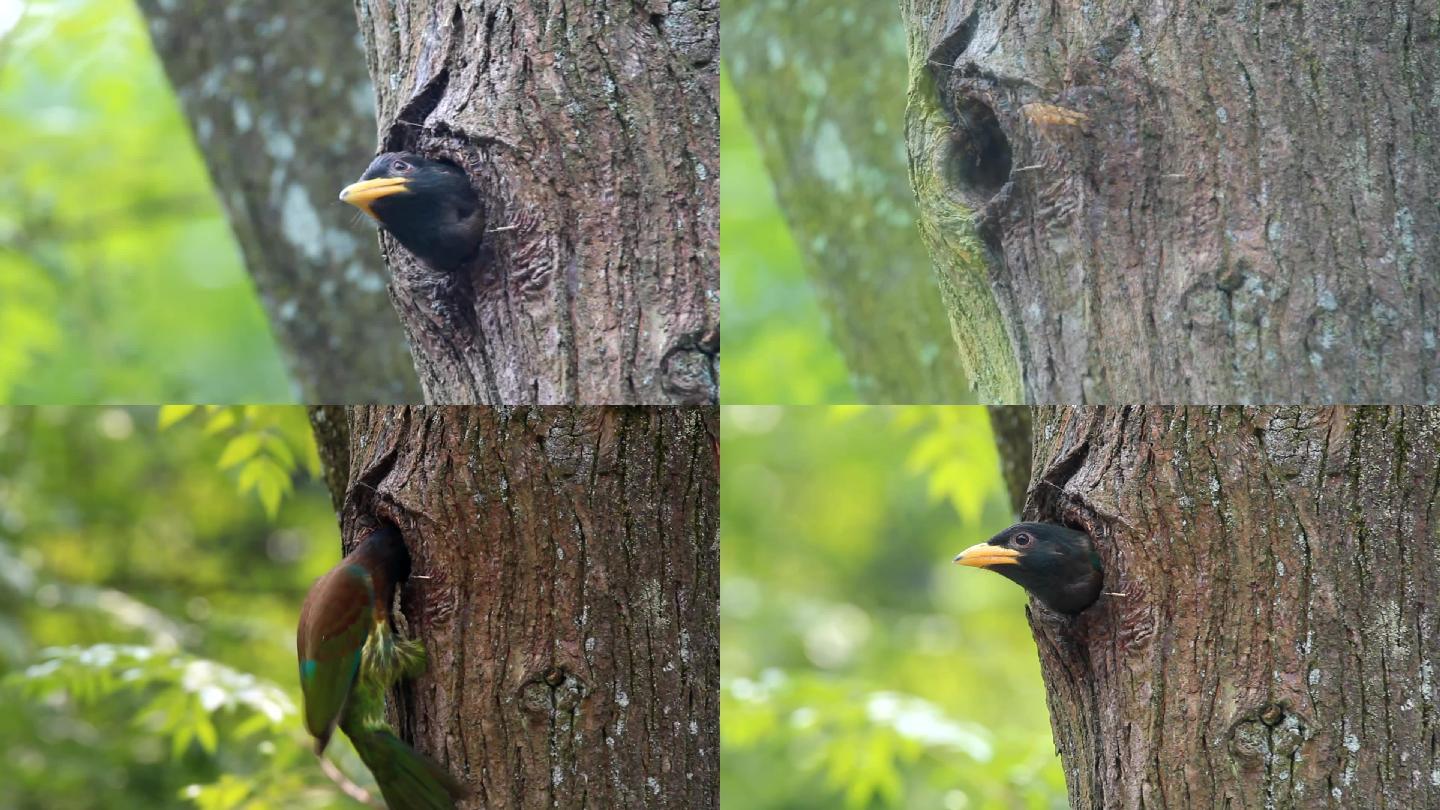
385, 549
401, 183
1057, 565
429, 206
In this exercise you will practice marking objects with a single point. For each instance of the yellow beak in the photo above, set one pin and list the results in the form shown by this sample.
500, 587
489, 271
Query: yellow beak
363, 193
984, 555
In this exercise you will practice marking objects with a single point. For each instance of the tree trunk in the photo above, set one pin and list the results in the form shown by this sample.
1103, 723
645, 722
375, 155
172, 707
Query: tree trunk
571, 613
1277, 632
822, 85
282, 115
592, 136
1011, 425
1183, 202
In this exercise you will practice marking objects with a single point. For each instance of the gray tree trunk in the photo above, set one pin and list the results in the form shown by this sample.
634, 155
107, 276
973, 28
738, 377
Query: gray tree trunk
1180, 201
1276, 637
1011, 425
571, 614
822, 84
281, 106
592, 133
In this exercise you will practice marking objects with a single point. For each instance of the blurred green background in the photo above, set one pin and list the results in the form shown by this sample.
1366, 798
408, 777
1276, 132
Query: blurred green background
119, 278
777, 346
859, 667
152, 566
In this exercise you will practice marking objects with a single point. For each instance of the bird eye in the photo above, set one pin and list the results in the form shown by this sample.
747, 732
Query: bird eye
1022, 539
400, 166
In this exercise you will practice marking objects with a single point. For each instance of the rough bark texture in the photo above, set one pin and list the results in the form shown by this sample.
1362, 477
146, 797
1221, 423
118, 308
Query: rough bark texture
1278, 636
1184, 202
331, 426
592, 134
281, 106
572, 608
822, 83
1011, 426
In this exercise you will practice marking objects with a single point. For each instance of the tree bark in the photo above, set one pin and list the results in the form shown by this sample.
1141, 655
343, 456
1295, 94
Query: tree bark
822, 85
282, 116
592, 136
1183, 202
571, 614
1011, 426
1275, 638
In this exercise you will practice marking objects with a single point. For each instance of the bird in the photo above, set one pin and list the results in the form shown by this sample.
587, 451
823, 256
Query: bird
429, 206
1057, 565
350, 654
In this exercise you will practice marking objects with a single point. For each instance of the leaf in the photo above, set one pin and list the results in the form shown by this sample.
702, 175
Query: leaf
165, 712
184, 734
269, 481
205, 731
240, 448
228, 792
280, 451
270, 497
170, 414
254, 724
221, 419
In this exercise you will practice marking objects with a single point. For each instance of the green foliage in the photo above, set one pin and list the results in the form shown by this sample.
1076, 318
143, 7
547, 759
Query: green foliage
148, 611
860, 668
948, 446
776, 345
119, 277
266, 445
861, 744
182, 696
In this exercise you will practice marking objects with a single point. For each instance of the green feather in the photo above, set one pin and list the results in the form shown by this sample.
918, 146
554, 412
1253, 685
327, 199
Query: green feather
388, 658
335, 624
407, 779
349, 657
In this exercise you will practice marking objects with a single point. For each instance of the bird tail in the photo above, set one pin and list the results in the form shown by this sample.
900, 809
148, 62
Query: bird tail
408, 779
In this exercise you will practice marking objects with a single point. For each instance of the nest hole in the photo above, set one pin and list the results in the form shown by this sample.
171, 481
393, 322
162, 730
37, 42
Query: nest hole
979, 161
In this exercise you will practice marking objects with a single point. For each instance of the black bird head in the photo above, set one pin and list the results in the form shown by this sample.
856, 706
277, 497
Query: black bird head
428, 206
384, 548
1056, 565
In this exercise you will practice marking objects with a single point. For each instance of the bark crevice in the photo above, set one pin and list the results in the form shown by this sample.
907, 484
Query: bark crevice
591, 139
1204, 204
571, 609
1269, 575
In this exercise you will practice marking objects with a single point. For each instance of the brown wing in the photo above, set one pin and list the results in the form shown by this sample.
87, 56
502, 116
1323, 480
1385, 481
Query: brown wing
334, 621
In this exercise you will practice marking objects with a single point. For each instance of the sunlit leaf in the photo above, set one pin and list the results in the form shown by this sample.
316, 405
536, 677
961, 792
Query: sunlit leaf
170, 414
241, 448
271, 489
220, 420
123, 554
205, 732
280, 451
937, 700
